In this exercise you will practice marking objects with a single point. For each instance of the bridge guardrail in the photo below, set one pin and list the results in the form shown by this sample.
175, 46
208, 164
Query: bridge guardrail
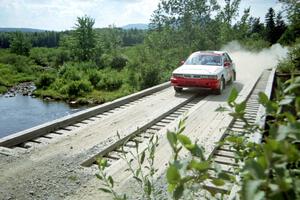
34, 132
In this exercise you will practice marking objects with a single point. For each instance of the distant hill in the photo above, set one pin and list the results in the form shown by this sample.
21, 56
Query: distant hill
25, 30
136, 26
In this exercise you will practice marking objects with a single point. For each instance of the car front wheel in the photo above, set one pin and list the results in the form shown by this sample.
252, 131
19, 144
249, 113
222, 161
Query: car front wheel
234, 76
178, 89
221, 87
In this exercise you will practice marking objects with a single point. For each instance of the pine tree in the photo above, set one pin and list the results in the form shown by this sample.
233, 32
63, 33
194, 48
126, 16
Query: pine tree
270, 26
280, 26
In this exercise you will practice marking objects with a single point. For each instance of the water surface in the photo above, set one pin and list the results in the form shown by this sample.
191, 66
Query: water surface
22, 112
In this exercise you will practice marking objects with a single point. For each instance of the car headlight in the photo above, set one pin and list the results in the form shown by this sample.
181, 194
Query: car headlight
212, 76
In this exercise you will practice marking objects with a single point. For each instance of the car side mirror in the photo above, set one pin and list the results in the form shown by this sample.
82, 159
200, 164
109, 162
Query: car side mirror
226, 64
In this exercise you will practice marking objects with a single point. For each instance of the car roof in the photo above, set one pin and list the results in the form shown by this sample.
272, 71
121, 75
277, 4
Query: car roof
211, 52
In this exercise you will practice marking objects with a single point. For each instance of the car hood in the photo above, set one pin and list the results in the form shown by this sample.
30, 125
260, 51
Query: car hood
198, 69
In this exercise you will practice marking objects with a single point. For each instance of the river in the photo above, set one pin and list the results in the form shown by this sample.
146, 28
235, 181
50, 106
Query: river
22, 112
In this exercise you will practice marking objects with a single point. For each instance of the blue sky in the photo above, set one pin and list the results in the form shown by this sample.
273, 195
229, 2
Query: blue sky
61, 14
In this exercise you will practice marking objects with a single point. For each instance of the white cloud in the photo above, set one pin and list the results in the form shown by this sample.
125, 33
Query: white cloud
62, 14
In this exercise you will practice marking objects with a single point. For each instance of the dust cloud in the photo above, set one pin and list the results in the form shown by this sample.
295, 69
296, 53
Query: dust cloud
251, 64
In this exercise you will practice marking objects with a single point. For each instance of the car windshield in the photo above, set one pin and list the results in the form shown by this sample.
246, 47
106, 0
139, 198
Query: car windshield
204, 59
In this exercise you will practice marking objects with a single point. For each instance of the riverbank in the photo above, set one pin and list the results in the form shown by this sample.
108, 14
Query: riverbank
25, 89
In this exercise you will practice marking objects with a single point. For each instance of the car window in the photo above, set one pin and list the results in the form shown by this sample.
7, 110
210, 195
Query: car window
204, 59
228, 57
225, 59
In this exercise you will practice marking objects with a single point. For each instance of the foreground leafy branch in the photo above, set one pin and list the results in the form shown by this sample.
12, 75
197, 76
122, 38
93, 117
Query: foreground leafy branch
142, 172
183, 174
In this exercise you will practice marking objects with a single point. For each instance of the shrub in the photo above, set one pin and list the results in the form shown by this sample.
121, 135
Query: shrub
106, 60
40, 56
69, 72
3, 89
255, 44
118, 62
94, 77
50, 57
150, 76
11, 58
62, 56
295, 56
109, 83
3, 82
45, 80
79, 88
292, 63
19, 63
90, 65
285, 66
132, 79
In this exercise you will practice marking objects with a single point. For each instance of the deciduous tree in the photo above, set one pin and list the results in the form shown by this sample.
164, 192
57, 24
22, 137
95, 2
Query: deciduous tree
84, 38
20, 44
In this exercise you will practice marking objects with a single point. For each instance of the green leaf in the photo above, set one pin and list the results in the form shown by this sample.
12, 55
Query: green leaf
137, 172
292, 87
196, 151
173, 175
282, 132
99, 176
181, 129
226, 176
255, 169
142, 157
138, 179
297, 79
263, 98
250, 190
111, 181
184, 139
222, 109
232, 97
181, 123
105, 190
239, 108
172, 139
291, 130
149, 187
103, 162
291, 118
178, 192
200, 166
287, 100
218, 182
171, 187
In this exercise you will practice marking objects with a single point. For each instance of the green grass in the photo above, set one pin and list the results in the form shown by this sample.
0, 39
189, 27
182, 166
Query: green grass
51, 94
9, 77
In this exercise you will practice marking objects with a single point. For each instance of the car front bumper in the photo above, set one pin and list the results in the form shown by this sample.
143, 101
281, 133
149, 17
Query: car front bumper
194, 82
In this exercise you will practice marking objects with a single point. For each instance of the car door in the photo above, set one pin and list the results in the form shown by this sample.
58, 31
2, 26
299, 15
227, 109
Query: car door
228, 66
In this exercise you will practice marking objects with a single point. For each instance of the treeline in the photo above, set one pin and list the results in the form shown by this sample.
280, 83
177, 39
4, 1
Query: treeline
51, 38
37, 39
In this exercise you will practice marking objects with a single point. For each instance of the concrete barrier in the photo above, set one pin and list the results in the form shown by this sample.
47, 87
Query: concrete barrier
54, 125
